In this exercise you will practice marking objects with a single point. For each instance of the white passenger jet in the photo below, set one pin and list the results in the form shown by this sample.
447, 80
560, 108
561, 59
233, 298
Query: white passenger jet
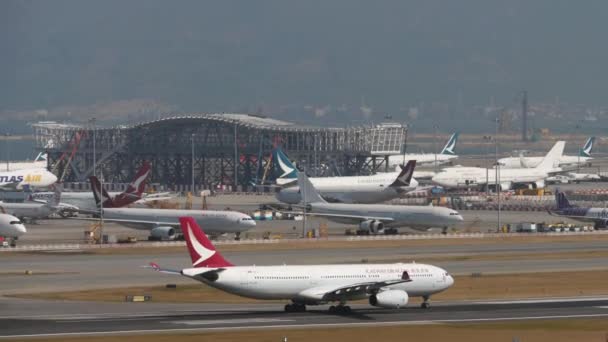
447, 154
373, 218
11, 227
468, 177
584, 156
354, 189
384, 285
26, 178
33, 209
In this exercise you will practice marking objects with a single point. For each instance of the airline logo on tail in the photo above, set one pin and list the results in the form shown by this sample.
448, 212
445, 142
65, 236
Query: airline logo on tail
586, 151
450, 146
287, 168
406, 174
133, 193
561, 201
202, 251
136, 188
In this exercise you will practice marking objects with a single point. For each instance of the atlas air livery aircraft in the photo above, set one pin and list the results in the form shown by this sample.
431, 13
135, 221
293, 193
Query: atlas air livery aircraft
447, 154
350, 189
468, 177
373, 218
584, 156
26, 178
383, 285
599, 216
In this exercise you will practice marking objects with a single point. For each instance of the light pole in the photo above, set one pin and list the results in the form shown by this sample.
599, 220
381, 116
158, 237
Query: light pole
434, 147
497, 175
6, 149
92, 122
488, 140
192, 162
236, 159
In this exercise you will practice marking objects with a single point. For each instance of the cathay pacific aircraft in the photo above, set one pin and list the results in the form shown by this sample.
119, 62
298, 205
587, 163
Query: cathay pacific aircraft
383, 285
583, 157
350, 189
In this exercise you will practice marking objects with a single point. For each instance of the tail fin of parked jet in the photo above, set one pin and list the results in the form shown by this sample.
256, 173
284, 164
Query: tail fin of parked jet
138, 185
450, 146
586, 150
287, 169
551, 160
561, 200
202, 251
134, 190
100, 194
308, 192
405, 177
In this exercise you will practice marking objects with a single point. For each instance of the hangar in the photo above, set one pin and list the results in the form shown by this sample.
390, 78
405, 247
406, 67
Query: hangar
213, 150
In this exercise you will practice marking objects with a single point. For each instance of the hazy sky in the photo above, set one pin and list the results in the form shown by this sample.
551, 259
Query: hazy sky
210, 55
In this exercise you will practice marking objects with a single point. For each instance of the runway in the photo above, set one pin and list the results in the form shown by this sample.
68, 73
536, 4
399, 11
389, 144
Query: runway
148, 319
77, 271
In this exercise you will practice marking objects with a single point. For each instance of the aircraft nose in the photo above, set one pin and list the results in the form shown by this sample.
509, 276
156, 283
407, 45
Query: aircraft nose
53, 178
449, 281
20, 229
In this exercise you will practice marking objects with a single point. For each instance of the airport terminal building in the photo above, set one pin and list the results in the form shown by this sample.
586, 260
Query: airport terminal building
213, 151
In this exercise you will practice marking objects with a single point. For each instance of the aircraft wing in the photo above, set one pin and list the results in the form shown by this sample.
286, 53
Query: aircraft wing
347, 216
12, 186
578, 217
349, 292
151, 223
154, 199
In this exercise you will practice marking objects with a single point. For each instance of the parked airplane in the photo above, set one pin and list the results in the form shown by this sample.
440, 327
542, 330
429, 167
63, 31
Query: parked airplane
39, 163
373, 218
87, 200
27, 178
467, 177
35, 210
11, 227
353, 189
564, 209
384, 285
445, 156
584, 156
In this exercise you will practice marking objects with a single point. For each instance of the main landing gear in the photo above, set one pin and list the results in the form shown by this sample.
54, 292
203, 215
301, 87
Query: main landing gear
340, 309
425, 304
295, 307
237, 236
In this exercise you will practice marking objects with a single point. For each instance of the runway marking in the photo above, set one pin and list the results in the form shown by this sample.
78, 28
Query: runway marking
230, 321
292, 326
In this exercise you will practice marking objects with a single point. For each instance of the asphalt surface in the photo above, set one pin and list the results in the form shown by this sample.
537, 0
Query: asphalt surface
59, 271
144, 319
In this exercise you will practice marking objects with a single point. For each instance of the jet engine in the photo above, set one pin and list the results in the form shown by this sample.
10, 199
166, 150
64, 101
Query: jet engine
372, 226
390, 299
162, 233
505, 186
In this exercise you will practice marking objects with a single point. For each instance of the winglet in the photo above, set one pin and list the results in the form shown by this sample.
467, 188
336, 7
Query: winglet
202, 251
405, 177
308, 192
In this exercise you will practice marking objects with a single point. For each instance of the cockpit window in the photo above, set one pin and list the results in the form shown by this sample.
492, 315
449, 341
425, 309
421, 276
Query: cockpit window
15, 222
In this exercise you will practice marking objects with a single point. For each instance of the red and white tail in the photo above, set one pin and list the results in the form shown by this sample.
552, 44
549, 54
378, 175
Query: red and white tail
202, 251
138, 185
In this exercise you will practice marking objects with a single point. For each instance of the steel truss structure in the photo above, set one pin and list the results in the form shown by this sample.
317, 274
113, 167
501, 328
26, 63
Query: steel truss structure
220, 150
